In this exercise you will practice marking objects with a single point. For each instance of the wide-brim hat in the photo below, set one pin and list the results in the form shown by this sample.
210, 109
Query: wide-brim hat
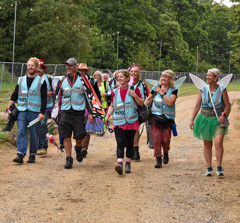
83, 66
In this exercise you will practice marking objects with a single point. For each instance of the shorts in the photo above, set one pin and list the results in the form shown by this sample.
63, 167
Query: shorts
72, 121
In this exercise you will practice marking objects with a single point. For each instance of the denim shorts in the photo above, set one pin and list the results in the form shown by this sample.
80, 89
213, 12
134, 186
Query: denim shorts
72, 121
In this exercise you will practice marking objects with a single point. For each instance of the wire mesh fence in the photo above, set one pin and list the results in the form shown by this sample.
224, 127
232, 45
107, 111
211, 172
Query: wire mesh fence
11, 71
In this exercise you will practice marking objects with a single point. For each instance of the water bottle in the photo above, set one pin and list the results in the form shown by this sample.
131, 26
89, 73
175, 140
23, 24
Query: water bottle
174, 129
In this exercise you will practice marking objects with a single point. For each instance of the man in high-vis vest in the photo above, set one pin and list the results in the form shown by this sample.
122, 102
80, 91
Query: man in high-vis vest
31, 96
72, 109
43, 142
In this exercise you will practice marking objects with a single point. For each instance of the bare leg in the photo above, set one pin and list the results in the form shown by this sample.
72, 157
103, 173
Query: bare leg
68, 146
208, 152
218, 142
135, 138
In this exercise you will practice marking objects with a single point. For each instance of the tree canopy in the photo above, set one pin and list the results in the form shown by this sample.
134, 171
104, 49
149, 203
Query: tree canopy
184, 35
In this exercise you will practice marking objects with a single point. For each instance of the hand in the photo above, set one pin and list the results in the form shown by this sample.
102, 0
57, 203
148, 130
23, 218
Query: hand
221, 120
41, 116
191, 124
49, 93
132, 93
91, 119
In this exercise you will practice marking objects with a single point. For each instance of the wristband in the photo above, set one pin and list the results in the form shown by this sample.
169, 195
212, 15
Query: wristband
223, 114
162, 95
7, 109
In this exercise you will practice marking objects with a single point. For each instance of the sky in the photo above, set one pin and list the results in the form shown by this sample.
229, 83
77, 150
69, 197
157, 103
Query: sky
225, 2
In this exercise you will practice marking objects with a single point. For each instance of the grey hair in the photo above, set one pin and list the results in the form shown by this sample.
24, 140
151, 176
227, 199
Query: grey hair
215, 71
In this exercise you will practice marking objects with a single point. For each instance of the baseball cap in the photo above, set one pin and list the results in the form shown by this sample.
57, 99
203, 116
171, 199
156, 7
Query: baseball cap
71, 61
42, 64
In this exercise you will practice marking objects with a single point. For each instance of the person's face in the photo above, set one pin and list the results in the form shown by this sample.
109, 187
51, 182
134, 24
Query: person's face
40, 71
210, 78
116, 76
122, 79
31, 67
83, 72
134, 73
105, 78
165, 79
71, 69
97, 77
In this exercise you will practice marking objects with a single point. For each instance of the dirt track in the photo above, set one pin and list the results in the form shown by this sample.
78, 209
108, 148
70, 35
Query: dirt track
93, 192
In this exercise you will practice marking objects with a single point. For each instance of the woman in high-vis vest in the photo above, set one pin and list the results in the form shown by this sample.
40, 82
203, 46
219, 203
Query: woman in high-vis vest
162, 115
102, 89
136, 75
206, 126
125, 119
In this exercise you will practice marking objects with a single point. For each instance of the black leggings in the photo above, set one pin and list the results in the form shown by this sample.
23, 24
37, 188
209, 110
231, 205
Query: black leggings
124, 138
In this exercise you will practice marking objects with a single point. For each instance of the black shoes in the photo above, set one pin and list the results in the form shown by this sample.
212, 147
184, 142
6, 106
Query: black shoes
119, 168
136, 155
79, 155
31, 159
84, 152
69, 163
165, 158
128, 168
159, 162
18, 159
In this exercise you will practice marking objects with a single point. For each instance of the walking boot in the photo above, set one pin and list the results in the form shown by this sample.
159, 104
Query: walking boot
69, 163
84, 152
31, 159
136, 153
79, 156
159, 162
18, 158
119, 168
165, 158
128, 168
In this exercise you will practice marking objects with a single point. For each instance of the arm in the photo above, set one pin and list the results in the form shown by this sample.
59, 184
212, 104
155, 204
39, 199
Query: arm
136, 96
196, 109
169, 100
226, 107
43, 100
148, 99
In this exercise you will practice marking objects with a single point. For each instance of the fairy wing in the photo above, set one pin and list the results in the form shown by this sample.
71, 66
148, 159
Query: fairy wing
152, 82
179, 82
95, 128
225, 81
197, 81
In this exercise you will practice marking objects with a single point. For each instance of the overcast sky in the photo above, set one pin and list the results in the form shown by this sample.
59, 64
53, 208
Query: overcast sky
226, 2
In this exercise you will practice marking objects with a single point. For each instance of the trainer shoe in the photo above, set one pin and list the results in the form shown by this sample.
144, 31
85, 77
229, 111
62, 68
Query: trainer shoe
220, 172
209, 172
18, 158
42, 152
127, 168
119, 168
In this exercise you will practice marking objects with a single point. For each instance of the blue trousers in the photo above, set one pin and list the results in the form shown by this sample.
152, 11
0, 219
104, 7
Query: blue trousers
43, 142
24, 118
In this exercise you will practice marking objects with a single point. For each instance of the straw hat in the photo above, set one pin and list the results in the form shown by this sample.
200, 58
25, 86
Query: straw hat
83, 66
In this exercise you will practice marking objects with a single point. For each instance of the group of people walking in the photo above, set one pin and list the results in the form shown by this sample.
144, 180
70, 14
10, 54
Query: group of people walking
78, 96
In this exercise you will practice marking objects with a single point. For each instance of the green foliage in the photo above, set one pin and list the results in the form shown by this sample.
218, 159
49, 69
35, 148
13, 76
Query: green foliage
3, 135
51, 129
87, 30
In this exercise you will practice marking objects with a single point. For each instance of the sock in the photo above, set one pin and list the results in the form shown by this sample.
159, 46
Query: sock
120, 163
127, 162
68, 157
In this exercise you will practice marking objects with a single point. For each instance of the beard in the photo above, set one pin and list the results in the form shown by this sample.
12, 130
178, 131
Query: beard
32, 71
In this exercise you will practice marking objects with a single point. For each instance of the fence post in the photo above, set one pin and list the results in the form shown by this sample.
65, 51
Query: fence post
22, 69
1, 78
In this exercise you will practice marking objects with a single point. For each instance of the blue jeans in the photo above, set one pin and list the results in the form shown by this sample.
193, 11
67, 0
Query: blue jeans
43, 142
24, 117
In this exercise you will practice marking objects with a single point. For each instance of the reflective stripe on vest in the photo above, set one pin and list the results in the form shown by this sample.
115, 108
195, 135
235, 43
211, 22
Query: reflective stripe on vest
49, 99
73, 96
217, 97
160, 107
29, 99
124, 112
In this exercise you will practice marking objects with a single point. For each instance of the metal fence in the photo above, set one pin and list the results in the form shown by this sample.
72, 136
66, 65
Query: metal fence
11, 71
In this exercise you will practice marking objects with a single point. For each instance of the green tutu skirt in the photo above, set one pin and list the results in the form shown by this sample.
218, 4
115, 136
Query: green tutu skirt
206, 128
